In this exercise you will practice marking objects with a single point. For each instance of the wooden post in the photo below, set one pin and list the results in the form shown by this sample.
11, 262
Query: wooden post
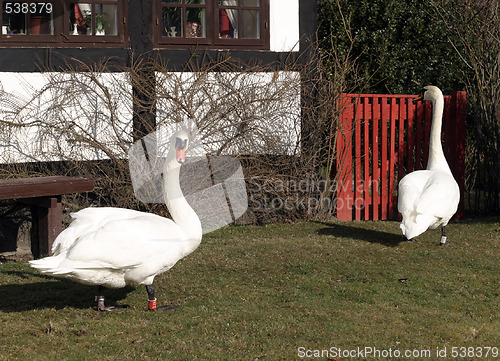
46, 216
344, 163
143, 77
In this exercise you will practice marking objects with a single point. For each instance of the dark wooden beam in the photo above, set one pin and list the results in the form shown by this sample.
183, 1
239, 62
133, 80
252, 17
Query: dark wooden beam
142, 74
43, 187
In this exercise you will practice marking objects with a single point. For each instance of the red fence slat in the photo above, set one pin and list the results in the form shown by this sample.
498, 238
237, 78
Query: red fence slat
393, 155
384, 119
367, 178
344, 162
358, 183
401, 136
410, 144
375, 181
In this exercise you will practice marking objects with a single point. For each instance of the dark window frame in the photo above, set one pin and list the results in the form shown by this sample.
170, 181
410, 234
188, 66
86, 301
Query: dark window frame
212, 40
62, 35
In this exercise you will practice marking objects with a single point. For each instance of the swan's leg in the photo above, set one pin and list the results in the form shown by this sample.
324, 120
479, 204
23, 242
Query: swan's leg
151, 297
152, 301
100, 301
443, 236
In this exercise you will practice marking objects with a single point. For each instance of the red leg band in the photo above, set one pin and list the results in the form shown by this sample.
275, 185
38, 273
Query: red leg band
152, 304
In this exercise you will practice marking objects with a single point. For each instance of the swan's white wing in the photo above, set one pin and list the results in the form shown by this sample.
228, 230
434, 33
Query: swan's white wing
88, 221
410, 189
426, 199
409, 192
440, 196
126, 244
120, 252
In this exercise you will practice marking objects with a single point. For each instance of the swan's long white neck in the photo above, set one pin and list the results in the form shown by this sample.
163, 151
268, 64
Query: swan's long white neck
182, 213
436, 160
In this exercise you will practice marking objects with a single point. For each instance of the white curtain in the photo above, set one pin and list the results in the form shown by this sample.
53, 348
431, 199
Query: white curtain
232, 15
85, 9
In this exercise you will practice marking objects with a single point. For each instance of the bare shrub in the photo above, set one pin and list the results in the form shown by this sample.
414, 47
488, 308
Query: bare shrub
280, 124
474, 33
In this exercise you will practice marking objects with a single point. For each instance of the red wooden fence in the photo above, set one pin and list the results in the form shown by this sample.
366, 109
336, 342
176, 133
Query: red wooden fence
384, 137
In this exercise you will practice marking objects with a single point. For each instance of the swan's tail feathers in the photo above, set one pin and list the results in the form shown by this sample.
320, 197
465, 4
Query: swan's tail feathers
53, 266
46, 264
56, 271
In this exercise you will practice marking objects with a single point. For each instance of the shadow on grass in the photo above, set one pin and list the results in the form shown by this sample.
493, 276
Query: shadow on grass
52, 293
362, 234
473, 219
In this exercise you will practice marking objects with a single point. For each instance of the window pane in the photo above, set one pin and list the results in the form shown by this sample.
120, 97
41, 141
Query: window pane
80, 19
24, 18
250, 28
106, 20
195, 23
13, 20
173, 1
171, 22
84, 17
250, 2
195, 1
228, 23
228, 2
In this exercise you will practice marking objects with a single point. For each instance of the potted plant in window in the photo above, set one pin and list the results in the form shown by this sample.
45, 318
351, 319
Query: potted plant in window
80, 26
100, 23
171, 22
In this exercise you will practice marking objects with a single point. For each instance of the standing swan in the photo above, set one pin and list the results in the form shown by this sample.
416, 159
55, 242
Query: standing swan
113, 247
429, 198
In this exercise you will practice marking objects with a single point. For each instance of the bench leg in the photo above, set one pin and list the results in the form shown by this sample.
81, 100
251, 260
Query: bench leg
46, 225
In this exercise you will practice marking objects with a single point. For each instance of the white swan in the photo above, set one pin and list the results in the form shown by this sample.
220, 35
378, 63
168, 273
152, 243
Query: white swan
113, 247
429, 198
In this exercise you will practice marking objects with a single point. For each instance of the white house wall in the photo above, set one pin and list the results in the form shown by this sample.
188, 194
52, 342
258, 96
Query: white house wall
236, 113
59, 116
284, 25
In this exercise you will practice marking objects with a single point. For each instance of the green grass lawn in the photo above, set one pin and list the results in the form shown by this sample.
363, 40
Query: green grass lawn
277, 292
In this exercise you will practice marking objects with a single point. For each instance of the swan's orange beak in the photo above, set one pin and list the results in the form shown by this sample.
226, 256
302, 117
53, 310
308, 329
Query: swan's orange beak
181, 156
180, 147
419, 97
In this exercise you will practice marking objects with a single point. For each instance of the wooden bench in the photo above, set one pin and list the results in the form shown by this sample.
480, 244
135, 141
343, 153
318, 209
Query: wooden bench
43, 195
